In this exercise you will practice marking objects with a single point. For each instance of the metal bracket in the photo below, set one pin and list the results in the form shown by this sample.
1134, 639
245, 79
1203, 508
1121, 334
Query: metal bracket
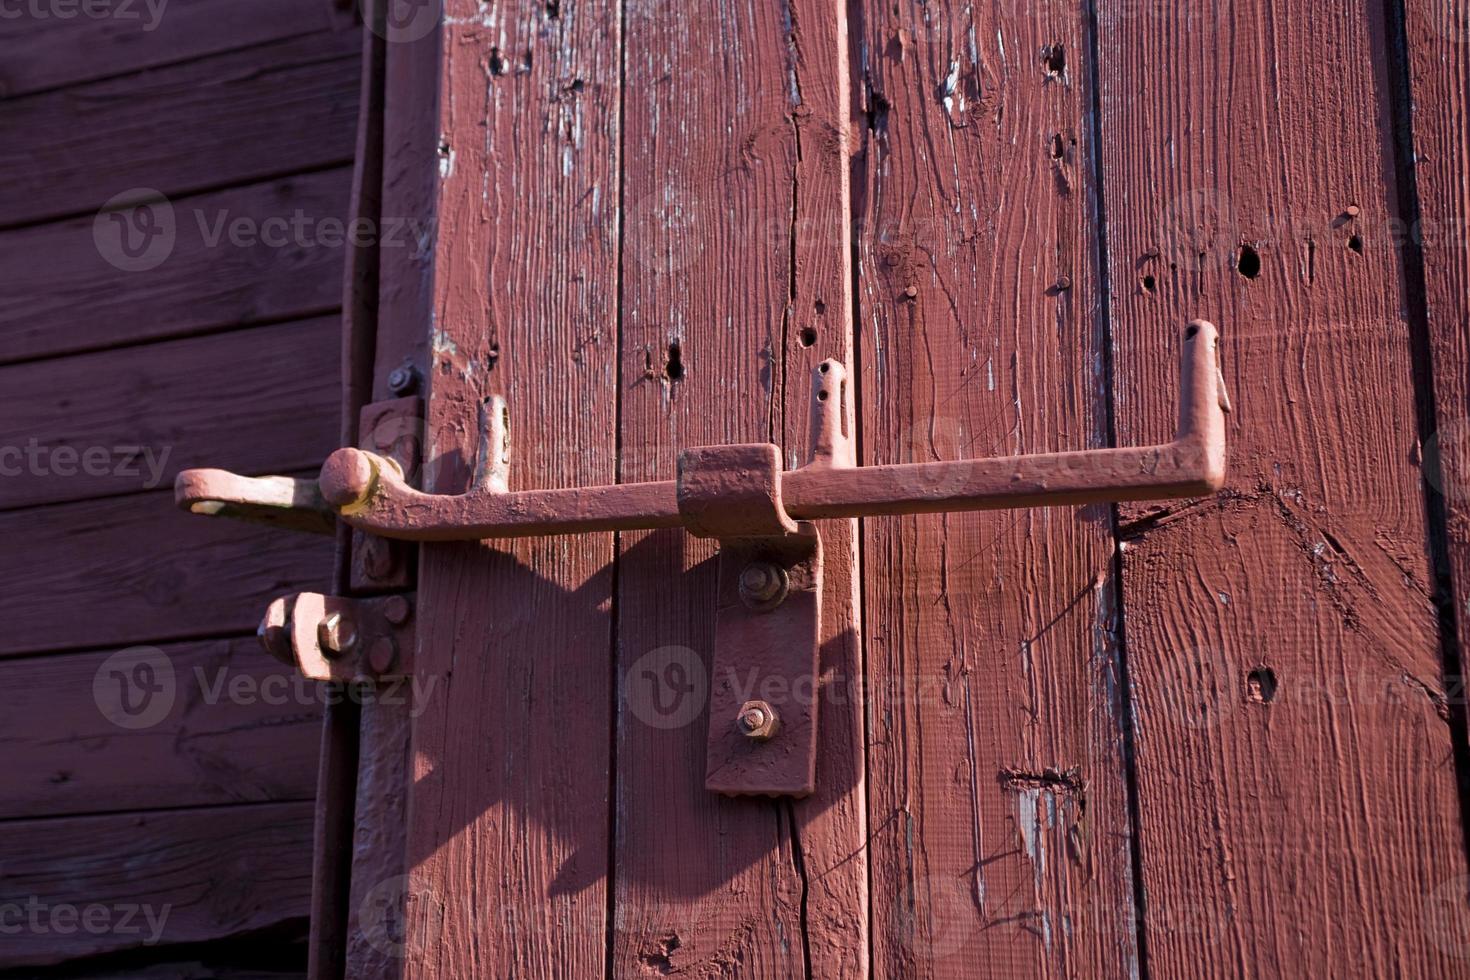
334, 638
769, 612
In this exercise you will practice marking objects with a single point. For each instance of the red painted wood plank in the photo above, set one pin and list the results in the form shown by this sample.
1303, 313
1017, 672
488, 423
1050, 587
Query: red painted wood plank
220, 722
82, 886
254, 401
702, 881
997, 791
63, 294
55, 44
508, 836
1295, 771
135, 569
237, 117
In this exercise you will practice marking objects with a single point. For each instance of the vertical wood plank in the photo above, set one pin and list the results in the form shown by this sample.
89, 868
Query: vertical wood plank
997, 792
1282, 644
736, 284
508, 809
710, 157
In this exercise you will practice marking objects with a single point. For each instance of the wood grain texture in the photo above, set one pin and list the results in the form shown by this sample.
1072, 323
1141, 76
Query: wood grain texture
1431, 109
82, 886
241, 728
135, 569
1295, 771
237, 117
508, 838
997, 790
67, 45
62, 294
735, 211
125, 421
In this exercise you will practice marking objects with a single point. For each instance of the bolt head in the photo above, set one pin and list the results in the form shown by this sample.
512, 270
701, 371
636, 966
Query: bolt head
757, 720
336, 633
382, 655
397, 609
763, 585
402, 380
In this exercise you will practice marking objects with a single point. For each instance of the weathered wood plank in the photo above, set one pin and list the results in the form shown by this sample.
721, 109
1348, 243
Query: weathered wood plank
63, 294
996, 788
136, 569
831, 825
237, 117
71, 43
224, 724
253, 401
81, 886
710, 188
508, 842
1295, 771
1429, 119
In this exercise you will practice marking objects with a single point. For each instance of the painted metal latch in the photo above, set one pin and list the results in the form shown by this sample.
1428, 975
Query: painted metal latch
769, 606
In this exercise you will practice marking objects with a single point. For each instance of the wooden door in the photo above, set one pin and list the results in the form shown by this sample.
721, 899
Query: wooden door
1082, 742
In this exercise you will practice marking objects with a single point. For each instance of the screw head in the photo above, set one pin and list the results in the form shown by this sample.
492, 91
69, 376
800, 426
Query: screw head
402, 380
763, 585
336, 633
757, 720
382, 655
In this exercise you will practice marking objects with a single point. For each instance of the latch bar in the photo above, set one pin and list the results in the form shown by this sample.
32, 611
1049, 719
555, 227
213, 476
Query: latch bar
372, 496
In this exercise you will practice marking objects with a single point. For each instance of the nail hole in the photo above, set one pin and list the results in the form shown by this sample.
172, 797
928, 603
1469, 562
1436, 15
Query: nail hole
1148, 284
1057, 148
1055, 58
809, 338
820, 307
822, 395
674, 367
825, 367
497, 62
1356, 244
1248, 263
553, 9
1189, 333
1260, 685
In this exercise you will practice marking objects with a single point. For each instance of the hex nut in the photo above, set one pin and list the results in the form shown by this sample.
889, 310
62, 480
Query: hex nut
758, 720
763, 585
336, 633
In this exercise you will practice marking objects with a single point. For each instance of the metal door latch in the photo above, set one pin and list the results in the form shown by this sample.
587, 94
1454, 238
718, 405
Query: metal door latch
769, 608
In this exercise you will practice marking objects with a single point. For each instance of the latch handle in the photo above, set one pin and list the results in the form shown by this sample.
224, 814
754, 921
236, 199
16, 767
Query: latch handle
371, 495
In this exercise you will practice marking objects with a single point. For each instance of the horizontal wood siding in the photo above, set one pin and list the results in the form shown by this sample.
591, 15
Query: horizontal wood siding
156, 758
64, 295
226, 119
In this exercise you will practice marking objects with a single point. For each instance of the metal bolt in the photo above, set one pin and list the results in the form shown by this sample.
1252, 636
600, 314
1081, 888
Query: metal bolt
275, 633
763, 584
336, 633
758, 720
382, 654
1064, 283
397, 609
402, 380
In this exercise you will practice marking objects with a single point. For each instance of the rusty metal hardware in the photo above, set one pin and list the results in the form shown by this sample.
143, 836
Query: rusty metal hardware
768, 618
334, 638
